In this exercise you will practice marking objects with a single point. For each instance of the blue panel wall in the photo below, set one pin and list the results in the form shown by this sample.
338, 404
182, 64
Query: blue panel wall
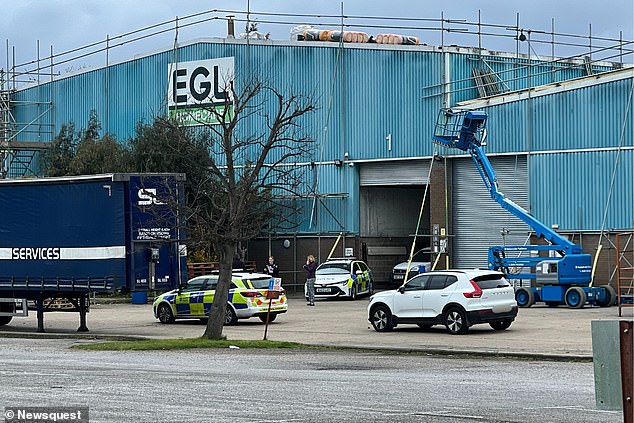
362, 95
576, 190
596, 116
331, 200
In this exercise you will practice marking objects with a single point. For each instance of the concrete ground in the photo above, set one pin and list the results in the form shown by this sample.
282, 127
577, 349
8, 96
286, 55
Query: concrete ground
539, 331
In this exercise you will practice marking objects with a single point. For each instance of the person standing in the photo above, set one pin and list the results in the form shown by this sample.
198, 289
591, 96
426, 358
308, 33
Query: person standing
310, 268
272, 268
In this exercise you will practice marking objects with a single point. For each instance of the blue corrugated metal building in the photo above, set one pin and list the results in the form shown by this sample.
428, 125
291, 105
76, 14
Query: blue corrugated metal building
560, 138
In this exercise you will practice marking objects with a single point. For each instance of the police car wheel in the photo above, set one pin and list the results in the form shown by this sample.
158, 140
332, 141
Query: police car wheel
230, 316
165, 314
271, 317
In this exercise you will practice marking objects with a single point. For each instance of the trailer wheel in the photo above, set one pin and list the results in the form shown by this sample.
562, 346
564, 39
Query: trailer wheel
610, 296
165, 314
525, 297
575, 297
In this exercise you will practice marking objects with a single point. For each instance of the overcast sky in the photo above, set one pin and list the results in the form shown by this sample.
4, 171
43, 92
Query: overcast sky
67, 24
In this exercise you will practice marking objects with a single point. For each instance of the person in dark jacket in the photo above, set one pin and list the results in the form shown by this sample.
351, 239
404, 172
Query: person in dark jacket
237, 264
272, 268
310, 267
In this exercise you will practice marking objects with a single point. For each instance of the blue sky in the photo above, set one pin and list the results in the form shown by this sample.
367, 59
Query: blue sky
68, 24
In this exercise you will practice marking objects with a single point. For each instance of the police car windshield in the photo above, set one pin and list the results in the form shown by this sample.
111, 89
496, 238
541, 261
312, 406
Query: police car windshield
333, 269
259, 283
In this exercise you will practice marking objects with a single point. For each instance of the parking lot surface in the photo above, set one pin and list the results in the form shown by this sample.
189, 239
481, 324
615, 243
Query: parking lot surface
539, 331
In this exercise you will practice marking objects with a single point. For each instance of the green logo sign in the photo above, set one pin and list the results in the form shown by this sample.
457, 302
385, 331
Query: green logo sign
208, 115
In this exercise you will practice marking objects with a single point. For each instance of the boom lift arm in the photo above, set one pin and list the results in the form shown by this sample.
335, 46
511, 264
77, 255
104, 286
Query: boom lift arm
466, 131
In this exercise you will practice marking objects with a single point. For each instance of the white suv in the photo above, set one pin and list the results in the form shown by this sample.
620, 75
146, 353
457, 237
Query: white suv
457, 299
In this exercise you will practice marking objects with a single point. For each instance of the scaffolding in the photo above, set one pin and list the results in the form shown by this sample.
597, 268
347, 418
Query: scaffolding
625, 269
21, 141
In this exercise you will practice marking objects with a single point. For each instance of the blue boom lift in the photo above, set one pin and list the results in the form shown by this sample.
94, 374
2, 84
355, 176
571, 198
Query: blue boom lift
563, 279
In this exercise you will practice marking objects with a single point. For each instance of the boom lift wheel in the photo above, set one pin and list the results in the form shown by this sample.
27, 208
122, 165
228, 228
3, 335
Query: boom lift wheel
610, 296
575, 297
525, 297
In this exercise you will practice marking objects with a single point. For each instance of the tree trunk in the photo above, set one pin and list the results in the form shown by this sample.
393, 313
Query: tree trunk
218, 309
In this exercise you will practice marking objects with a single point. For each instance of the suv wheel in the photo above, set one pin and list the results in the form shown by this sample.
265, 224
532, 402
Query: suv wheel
501, 325
456, 321
381, 319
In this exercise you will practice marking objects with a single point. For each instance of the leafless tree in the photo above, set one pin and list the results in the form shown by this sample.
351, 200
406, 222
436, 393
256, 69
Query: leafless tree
255, 144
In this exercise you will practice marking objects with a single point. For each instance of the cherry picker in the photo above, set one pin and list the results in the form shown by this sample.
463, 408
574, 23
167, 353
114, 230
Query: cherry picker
562, 278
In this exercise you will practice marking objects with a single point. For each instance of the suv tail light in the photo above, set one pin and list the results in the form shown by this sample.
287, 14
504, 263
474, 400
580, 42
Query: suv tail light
251, 294
476, 293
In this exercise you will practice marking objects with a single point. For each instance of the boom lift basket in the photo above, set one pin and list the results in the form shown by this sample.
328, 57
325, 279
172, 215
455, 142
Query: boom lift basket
457, 128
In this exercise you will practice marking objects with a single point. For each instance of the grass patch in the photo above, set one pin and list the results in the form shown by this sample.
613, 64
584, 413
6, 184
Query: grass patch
183, 344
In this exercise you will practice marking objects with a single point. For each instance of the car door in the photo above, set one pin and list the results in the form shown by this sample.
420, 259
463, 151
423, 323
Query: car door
361, 274
367, 274
208, 293
436, 294
191, 294
408, 301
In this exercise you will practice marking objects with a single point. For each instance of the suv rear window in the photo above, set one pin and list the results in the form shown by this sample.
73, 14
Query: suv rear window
491, 281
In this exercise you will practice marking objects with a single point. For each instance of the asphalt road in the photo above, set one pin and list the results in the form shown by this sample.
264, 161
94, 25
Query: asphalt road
243, 385
538, 331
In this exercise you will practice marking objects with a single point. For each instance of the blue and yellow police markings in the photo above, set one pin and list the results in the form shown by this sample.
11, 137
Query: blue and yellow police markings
362, 281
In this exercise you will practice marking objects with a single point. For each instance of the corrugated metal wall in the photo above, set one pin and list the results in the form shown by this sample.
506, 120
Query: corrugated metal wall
478, 220
576, 190
588, 118
363, 94
394, 173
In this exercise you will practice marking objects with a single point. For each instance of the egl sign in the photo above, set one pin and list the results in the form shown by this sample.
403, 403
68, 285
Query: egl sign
198, 86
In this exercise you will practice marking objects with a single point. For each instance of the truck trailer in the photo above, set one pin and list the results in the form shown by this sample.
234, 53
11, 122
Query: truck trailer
63, 238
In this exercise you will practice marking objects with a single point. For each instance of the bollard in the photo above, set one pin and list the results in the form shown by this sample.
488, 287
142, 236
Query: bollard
612, 357
627, 364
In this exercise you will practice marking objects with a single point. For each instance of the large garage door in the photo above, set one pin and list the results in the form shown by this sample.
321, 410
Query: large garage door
479, 221
394, 173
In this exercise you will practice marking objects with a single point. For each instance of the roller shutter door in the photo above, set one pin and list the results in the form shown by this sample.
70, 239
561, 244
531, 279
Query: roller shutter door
478, 220
394, 173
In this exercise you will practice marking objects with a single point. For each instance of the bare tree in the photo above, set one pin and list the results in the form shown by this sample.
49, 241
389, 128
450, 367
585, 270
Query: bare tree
255, 146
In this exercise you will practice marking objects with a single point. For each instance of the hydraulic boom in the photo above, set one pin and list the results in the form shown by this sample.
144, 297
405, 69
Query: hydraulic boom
570, 267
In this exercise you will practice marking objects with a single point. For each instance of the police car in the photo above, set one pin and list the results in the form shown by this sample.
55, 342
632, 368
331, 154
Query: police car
247, 298
342, 278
